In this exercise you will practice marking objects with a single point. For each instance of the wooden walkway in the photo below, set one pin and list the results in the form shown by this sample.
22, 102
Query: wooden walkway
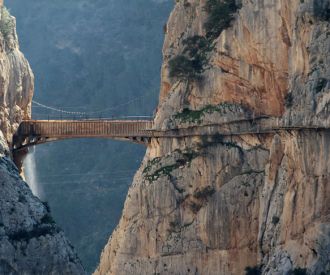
33, 132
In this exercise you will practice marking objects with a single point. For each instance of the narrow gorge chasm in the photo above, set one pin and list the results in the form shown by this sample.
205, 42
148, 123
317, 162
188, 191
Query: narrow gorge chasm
235, 179
30, 241
250, 203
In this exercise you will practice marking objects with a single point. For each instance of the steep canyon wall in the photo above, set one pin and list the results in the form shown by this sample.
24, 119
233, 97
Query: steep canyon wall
216, 205
30, 241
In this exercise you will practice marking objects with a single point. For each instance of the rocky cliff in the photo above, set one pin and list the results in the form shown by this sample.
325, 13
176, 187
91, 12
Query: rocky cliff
30, 241
242, 203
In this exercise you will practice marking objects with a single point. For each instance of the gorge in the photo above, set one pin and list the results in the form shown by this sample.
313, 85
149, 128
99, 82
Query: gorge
97, 55
230, 200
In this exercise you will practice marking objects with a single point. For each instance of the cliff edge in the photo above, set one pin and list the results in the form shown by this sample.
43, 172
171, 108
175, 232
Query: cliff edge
30, 241
241, 203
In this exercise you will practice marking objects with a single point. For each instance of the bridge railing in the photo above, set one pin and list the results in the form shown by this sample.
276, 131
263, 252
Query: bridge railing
87, 117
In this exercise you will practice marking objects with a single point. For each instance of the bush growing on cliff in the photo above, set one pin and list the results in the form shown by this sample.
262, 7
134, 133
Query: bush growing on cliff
298, 271
36, 232
288, 100
256, 270
220, 15
322, 10
182, 67
191, 63
48, 219
6, 22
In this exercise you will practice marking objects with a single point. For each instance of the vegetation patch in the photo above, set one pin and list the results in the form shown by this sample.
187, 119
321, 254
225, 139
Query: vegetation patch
46, 204
47, 219
164, 171
196, 116
150, 164
193, 60
220, 15
298, 271
322, 10
204, 193
288, 100
175, 226
190, 116
320, 84
195, 207
275, 220
256, 270
191, 63
6, 23
36, 232
152, 174
21, 198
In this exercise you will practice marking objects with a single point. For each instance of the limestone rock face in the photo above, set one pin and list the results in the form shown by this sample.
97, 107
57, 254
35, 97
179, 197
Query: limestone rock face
16, 78
219, 204
30, 241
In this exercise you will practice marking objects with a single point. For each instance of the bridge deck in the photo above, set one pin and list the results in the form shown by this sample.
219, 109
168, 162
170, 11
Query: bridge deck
84, 128
32, 132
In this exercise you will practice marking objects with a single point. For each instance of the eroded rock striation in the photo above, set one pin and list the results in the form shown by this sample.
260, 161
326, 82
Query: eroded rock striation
225, 204
30, 241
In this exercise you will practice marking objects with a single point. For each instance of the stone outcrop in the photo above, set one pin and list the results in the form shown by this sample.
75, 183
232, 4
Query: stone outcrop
16, 79
30, 241
221, 204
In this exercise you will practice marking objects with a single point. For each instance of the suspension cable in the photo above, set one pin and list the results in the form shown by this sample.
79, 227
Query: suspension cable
88, 113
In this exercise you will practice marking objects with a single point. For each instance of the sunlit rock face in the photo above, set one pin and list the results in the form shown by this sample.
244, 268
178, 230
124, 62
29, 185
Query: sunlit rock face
16, 79
30, 241
217, 205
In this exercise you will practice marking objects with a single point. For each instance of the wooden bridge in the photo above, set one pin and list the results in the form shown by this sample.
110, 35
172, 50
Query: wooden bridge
33, 132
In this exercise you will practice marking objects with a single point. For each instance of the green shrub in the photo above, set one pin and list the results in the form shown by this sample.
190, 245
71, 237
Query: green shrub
185, 158
181, 67
256, 270
196, 116
46, 204
195, 46
21, 198
322, 10
220, 15
6, 23
288, 100
195, 207
204, 193
190, 116
298, 271
275, 220
36, 232
320, 84
48, 219
193, 59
